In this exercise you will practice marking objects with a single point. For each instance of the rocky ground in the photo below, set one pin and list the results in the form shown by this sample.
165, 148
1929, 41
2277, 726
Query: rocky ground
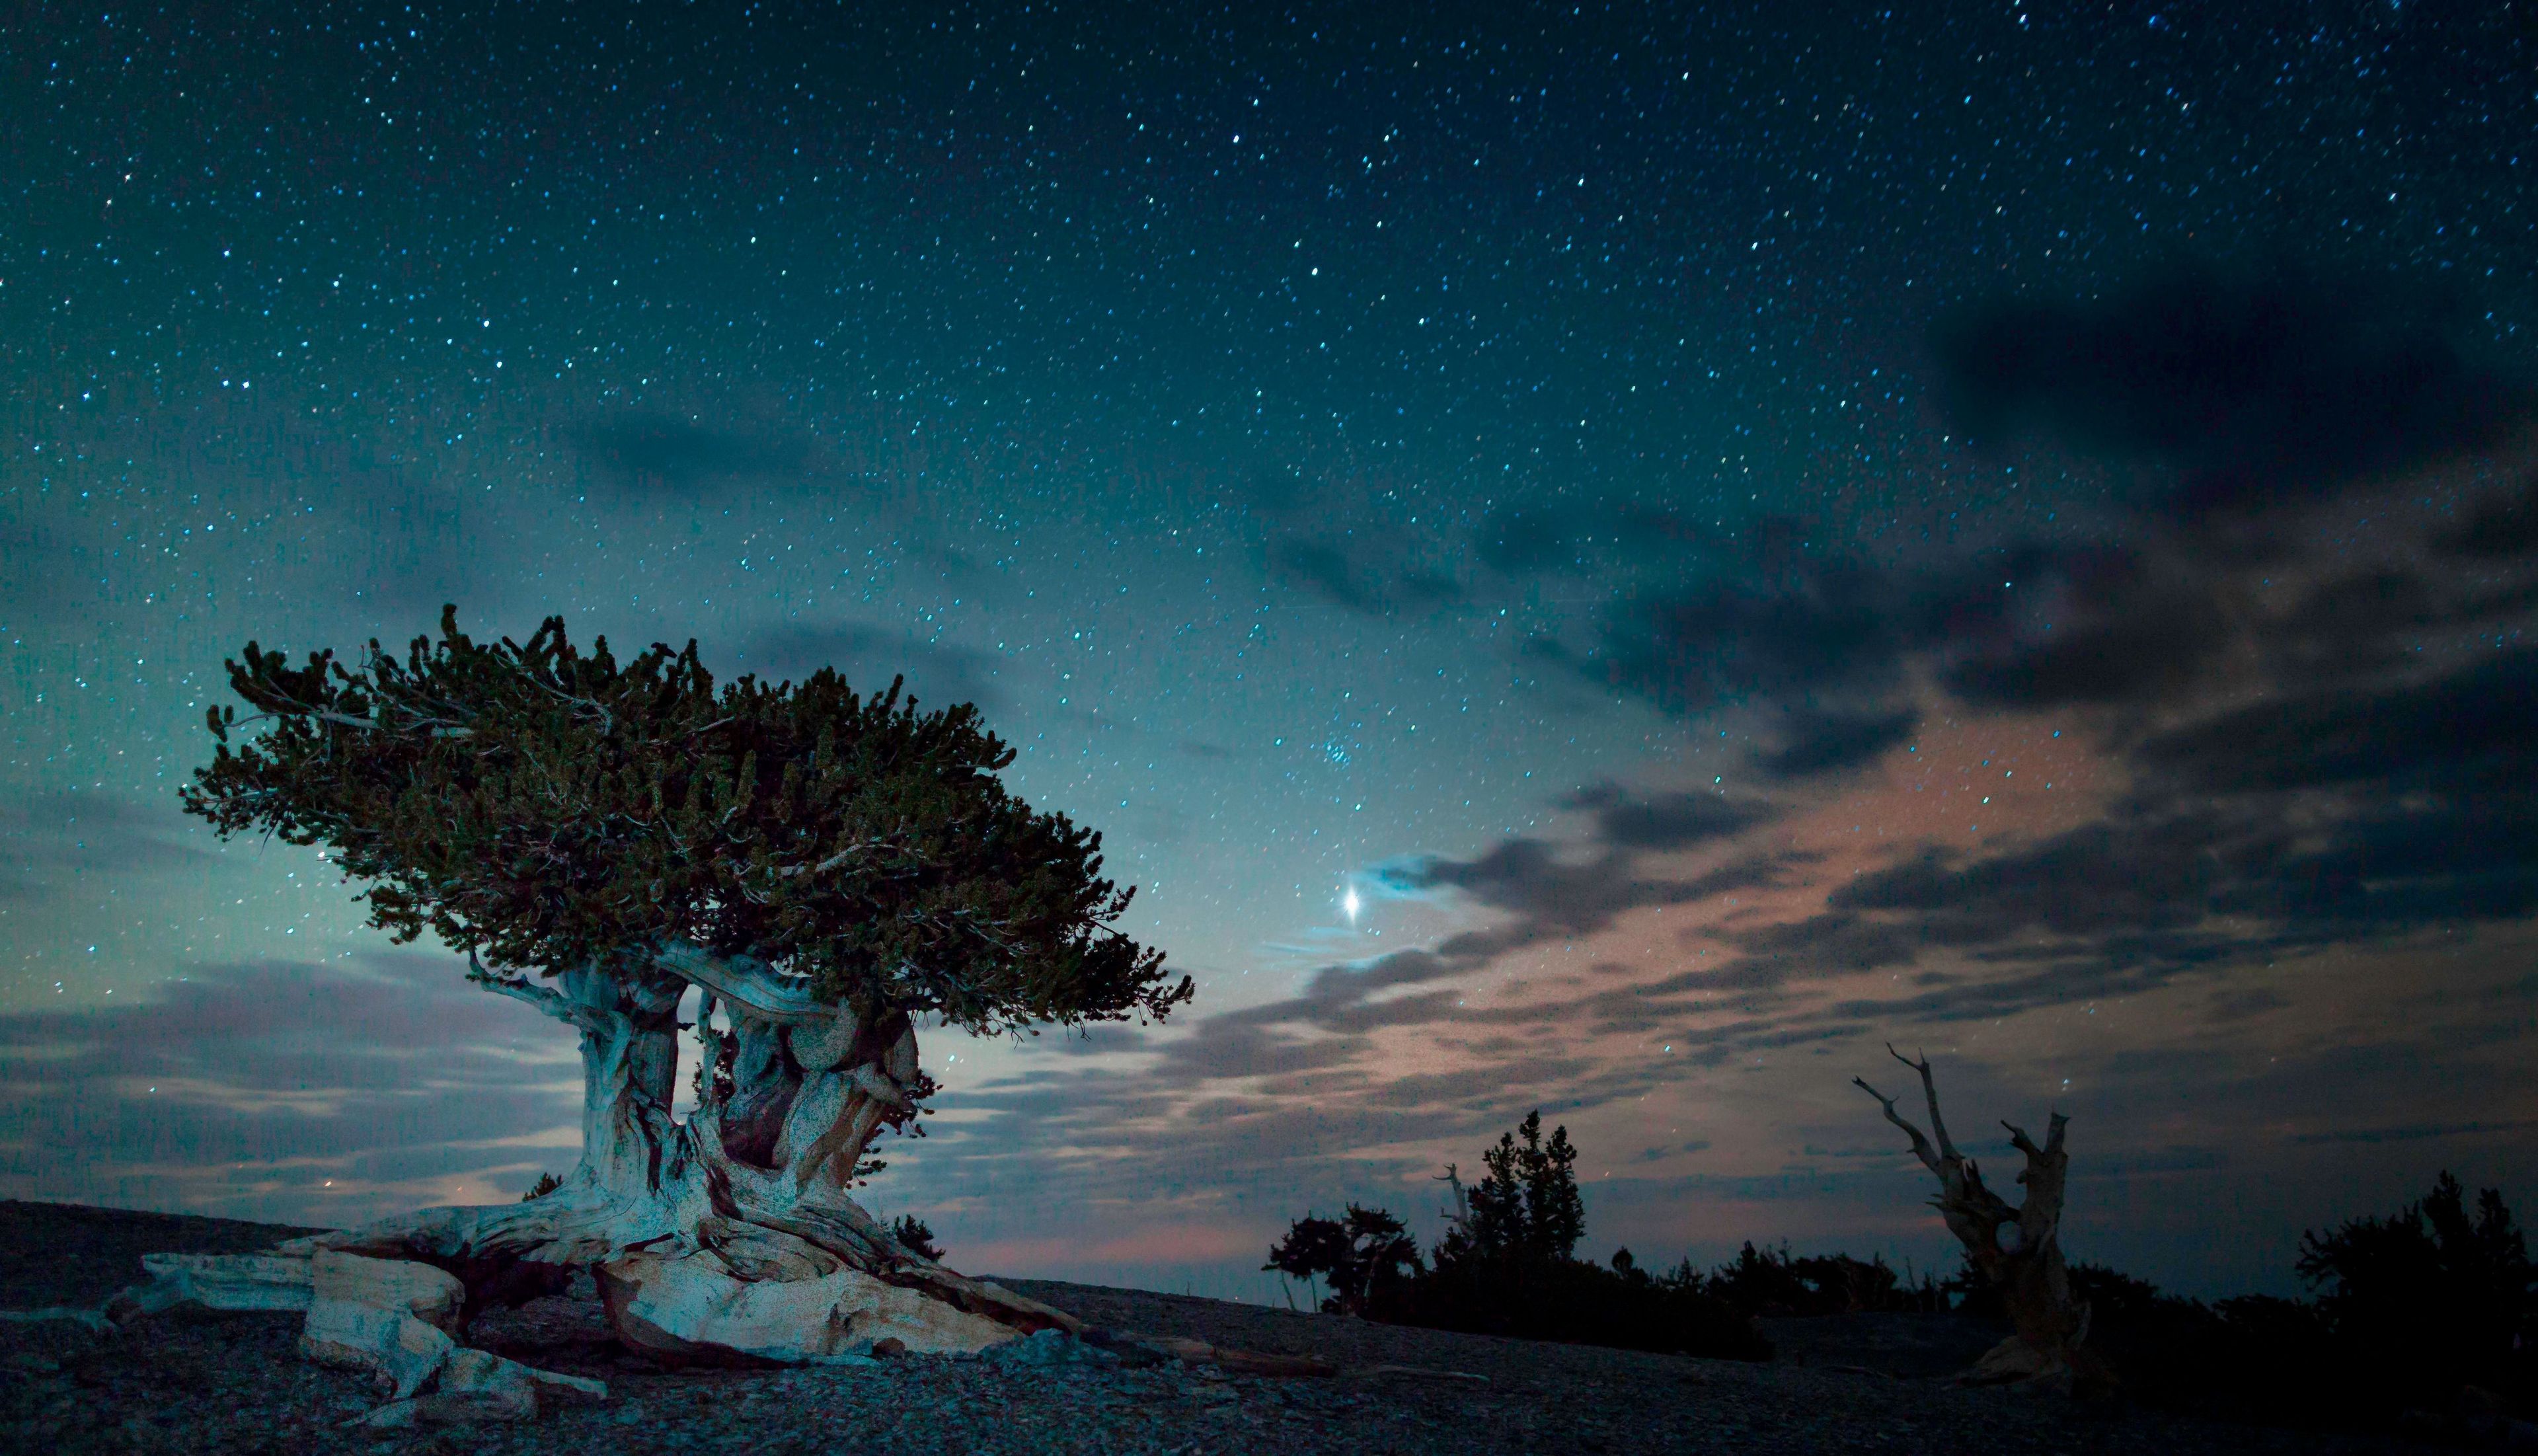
231, 1382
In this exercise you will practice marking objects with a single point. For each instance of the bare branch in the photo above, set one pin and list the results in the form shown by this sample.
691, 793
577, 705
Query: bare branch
1921, 1148
835, 861
1929, 1090
519, 988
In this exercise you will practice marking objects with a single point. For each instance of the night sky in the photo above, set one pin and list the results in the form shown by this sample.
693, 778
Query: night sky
1610, 560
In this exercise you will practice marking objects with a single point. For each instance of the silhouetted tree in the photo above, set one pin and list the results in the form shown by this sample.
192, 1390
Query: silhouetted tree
1527, 1207
1507, 1265
2437, 1296
1361, 1255
1773, 1281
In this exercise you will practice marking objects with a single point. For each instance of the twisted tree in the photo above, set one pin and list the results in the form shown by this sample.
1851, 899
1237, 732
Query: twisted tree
825, 868
2017, 1250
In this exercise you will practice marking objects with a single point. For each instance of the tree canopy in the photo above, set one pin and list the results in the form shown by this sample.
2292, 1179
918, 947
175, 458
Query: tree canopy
1527, 1206
551, 808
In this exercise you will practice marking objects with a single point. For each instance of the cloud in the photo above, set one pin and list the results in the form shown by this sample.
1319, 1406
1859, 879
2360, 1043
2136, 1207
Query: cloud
868, 655
1350, 549
664, 455
1368, 579
244, 1087
82, 831
2256, 388
1672, 821
1793, 622
1816, 741
2503, 525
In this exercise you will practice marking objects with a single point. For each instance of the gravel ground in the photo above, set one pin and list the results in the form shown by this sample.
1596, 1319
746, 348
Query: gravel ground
231, 1382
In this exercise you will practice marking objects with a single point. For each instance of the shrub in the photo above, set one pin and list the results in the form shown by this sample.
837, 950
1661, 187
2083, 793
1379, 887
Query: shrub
1771, 1283
915, 1237
2431, 1296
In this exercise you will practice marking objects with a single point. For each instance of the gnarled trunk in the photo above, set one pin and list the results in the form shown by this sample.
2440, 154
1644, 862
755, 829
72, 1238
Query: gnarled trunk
692, 1227
729, 1235
2018, 1251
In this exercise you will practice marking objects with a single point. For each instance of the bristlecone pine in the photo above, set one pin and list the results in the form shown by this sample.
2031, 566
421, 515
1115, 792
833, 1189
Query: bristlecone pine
2018, 1251
824, 868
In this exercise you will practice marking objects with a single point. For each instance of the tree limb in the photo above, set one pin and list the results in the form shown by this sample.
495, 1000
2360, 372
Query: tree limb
1930, 1091
519, 988
752, 985
1921, 1148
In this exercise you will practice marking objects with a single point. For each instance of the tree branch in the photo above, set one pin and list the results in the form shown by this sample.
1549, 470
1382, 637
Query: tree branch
878, 1085
752, 985
545, 998
1930, 1091
1921, 1148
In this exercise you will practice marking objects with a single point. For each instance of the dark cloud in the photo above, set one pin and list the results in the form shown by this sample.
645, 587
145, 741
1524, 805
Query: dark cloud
245, 1082
2245, 1004
2089, 627
2473, 729
2500, 525
1815, 741
73, 831
1370, 579
2296, 822
1793, 624
1663, 820
869, 656
1527, 539
663, 455
2258, 389
2419, 1132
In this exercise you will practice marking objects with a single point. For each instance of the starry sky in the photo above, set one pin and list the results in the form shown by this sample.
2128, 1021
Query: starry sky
1611, 558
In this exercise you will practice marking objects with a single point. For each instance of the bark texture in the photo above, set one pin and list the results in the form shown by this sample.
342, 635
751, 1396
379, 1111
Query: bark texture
728, 1236
2017, 1250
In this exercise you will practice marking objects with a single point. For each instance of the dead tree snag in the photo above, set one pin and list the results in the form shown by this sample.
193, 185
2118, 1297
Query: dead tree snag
2017, 1250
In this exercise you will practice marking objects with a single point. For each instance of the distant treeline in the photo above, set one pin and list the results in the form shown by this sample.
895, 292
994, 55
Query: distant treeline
1507, 1265
2434, 1307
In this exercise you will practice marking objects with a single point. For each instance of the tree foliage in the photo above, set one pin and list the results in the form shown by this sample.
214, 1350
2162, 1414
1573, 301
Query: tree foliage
551, 807
1361, 1255
1773, 1281
1507, 1266
916, 1238
2432, 1288
1527, 1207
